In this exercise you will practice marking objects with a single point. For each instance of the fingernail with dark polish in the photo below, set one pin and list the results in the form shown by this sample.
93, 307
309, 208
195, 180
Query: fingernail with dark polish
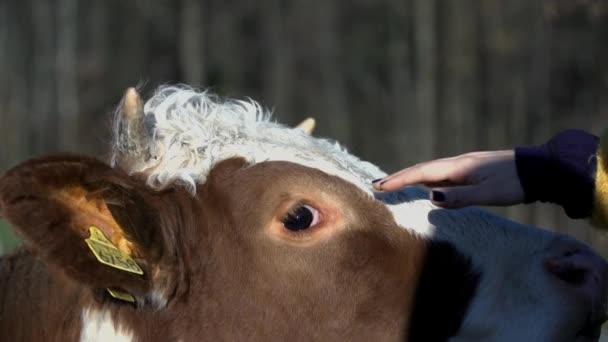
437, 196
376, 180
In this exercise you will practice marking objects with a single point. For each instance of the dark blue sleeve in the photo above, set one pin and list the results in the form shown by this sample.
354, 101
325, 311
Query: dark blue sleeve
562, 171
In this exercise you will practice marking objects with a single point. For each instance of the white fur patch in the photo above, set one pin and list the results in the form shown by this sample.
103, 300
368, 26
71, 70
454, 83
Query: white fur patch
410, 208
98, 326
192, 131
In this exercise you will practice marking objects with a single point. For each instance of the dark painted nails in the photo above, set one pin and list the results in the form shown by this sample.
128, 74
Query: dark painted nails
437, 196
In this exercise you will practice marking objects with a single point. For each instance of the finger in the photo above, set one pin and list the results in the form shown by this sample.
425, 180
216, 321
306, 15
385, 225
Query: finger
442, 184
451, 170
457, 197
484, 194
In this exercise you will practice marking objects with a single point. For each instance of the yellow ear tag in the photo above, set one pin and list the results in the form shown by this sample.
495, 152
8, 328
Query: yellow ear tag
121, 295
110, 255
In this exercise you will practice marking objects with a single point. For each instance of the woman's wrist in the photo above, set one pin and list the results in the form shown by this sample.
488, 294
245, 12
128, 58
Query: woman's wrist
562, 171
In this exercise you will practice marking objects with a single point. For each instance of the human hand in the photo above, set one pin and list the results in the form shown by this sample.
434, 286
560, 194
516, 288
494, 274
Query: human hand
477, 178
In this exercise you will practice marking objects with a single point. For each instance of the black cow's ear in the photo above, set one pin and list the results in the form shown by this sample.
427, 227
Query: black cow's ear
93, 222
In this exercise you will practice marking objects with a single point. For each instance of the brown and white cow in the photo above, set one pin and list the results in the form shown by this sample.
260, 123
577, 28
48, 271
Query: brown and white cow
247, 230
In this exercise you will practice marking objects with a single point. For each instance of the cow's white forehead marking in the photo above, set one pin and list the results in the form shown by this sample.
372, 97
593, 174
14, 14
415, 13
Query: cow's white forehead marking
410, 208
98, 326
413, 216
193, 131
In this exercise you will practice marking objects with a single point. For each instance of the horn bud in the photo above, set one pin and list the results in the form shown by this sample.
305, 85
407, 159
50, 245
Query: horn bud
133, 106
131, 134
307, 125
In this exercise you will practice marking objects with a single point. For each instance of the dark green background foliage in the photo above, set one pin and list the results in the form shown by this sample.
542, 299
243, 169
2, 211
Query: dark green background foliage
398, 82
7, 237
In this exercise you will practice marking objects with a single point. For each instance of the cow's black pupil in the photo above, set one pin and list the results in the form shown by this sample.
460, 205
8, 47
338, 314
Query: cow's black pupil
299, 219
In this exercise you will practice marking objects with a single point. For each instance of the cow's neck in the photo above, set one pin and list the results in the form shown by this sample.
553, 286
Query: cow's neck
40, 304
35, 304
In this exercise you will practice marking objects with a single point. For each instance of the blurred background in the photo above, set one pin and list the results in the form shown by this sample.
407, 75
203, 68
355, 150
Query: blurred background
396, 81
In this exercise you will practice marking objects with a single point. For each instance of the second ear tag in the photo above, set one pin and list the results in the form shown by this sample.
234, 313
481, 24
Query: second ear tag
121, 295
110, 255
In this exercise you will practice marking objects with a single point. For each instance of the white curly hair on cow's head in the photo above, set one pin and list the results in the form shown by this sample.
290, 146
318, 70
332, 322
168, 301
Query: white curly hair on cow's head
179, 134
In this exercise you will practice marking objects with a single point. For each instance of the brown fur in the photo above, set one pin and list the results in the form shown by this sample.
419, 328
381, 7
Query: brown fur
229, 269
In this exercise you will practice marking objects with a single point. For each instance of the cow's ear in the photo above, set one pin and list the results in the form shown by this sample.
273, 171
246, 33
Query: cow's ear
93, 222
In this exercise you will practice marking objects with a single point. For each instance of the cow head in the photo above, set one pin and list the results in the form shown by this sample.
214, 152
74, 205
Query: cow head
274, 250
246, 229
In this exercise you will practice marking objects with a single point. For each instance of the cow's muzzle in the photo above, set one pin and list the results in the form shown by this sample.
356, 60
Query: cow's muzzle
585, 275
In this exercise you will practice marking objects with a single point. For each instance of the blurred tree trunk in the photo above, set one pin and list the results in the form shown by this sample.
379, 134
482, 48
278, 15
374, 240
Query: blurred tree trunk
458, 74
401, 62
330, 79
96, 77
421, 129
192, 42
67, 78
43, 78
4, 86
279, 75
16, 95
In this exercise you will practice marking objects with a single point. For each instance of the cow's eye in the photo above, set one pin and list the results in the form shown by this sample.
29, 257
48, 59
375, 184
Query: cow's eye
301, 217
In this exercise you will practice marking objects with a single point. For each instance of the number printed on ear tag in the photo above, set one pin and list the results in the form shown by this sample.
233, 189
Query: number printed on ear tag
110, 255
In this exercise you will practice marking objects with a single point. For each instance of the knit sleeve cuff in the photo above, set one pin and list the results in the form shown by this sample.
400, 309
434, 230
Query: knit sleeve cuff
533, 166
562, 171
